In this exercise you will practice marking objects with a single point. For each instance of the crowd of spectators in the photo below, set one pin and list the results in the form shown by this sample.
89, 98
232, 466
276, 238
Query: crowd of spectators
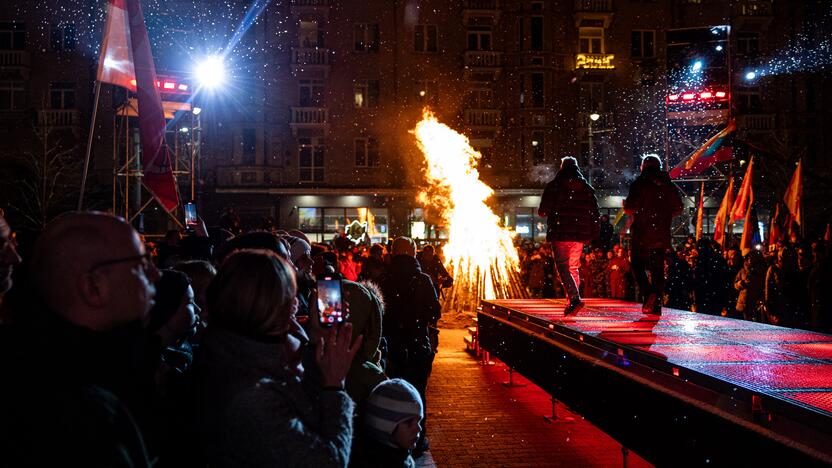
204, 348
787, 284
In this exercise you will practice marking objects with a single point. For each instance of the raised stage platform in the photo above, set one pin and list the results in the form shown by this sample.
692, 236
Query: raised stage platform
687, 389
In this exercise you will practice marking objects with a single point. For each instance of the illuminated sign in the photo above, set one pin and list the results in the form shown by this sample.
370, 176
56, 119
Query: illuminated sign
595, 61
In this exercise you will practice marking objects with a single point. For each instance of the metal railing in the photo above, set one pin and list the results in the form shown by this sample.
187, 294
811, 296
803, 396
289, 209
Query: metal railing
310, 56
483, 58
593, 5
310, 115
757, 121
482, 117
14, 58
58, 117
482, 4
753, 8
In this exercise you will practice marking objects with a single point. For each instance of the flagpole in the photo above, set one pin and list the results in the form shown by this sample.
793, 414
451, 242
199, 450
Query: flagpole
89, 146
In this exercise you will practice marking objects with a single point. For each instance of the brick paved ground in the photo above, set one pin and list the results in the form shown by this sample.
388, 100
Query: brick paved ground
473, 420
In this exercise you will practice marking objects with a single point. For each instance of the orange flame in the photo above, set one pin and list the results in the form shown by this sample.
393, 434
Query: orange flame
479, 251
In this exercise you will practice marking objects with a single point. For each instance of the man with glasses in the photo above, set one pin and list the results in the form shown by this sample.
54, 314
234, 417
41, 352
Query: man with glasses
81, 363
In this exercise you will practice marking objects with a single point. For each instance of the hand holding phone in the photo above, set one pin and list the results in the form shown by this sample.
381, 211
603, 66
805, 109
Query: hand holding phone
330, 302
191, 218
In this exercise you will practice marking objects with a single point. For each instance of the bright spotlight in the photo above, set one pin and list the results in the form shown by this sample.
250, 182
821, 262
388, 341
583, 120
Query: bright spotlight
184, 129
196, 110
594, 117
750, 75
211, 72
719, 48
697, 66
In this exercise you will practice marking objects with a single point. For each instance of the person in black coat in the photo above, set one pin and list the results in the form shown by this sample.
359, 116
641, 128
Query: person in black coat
571, 209
653, 202
411, 308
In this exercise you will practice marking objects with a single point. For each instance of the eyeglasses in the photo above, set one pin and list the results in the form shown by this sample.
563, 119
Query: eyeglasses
145, 259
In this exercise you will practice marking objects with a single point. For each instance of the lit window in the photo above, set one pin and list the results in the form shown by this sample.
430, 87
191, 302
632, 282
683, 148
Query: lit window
366, 94
591, 40
366, 37
425, 38
366, 152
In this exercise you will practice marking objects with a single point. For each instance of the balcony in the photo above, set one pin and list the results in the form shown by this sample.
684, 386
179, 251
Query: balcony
757, 122
309, 118
486, 12
58, 118
483, 65
593, 13
311, 61
307, 7
15, 63
236, 176
483, 118
752, 14
594, 61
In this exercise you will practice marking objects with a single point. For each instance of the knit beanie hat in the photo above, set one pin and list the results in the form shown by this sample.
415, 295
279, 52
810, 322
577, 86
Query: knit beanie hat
297, 248
390, 403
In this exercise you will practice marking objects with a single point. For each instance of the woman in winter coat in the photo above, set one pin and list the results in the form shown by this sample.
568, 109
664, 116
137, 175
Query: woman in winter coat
253, 409
750, 284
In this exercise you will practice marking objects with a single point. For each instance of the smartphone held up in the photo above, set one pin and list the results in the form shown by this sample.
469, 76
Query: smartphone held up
330, 303
191, 218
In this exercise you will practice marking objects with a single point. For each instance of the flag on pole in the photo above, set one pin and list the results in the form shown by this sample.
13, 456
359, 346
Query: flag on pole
745, 197
750, 230
723, 215
794, 194
775, 230
710, 153
699, 213
156, 161
115, 62
618, 217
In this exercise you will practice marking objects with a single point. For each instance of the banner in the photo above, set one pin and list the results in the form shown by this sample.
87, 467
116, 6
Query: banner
794, 194
706, 155
115, 62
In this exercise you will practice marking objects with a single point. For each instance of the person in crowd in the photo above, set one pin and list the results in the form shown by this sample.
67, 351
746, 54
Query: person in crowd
253, 408
779, 302
173, 318
300, 255
9, 258
586, 283
432, 265
200, 273
373, 266
619, 270
551, 283
412, 309
79, 358
391, 426
598, 271
536, 267
349, 268
711, 279
569, 204
653, 202
750, 284
167, 251
679, 285
820, 289
734, 263
606, 234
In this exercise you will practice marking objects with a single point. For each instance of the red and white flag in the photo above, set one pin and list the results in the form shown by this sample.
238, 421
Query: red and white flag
115, 63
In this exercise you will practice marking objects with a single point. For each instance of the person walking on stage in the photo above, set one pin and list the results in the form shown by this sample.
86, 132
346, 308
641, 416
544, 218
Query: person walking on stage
653, 202
571, 209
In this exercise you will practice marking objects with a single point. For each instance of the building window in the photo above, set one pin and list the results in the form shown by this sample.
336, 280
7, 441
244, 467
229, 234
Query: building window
427, 92
479, 98
311, 160
61, 95
366, 37
642, 44
479, 40
537, 33
310, 219
591, 40
366, 94
248, 177
538, 96
12, 36
366, 152
748, 44
538, 145
62, 37
12, 95
748, 99
425, 38
311, 93
249, 146
309, 35
590, 97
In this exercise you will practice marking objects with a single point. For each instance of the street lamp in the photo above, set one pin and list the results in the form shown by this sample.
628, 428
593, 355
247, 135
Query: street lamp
593, 117
210, 73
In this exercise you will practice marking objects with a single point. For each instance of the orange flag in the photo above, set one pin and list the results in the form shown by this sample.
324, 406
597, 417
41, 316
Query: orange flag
699, 213
794, 194
115, 64
775, 231
723, 215
745, 197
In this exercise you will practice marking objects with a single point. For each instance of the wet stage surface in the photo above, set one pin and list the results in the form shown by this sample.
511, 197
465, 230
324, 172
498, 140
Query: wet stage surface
794, 366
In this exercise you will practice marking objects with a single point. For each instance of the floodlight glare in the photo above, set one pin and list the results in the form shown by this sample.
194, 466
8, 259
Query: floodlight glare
594, 117
750, 75
196, 110
719, 48
211, 72
697, 66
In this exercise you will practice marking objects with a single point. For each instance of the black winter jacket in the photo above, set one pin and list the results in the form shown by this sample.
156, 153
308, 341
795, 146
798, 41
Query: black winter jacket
653, 202
571, 208
410, 303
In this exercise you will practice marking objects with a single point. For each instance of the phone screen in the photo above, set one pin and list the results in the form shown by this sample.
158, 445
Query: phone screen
190, 214
330, 307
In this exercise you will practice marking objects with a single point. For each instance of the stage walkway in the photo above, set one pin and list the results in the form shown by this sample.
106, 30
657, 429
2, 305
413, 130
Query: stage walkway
752, 381
473, 420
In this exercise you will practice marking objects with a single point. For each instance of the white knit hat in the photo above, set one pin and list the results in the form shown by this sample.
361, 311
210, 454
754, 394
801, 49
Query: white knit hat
390, 403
